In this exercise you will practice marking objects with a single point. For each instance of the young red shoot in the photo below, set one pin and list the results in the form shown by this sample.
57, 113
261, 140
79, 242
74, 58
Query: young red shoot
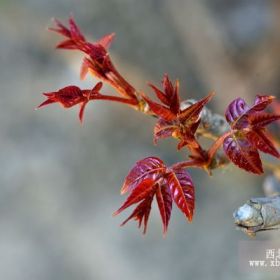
150, 178
70, 96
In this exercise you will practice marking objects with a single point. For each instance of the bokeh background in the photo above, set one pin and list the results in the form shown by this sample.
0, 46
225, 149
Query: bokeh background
60, 181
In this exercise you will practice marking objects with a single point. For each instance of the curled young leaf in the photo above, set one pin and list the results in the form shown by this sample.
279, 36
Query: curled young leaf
236, 109
248, 133
238, 112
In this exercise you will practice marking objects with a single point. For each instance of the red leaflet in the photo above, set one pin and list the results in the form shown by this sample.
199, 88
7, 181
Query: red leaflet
163, 129
72, 95
170, 95
248, 133
259, 120
191, 113
98, 60
142, 211
242, 153
262, 142
261, 102
164, 201
182, 191
67, 97
150, 167
150, 177
140, 192
160, 110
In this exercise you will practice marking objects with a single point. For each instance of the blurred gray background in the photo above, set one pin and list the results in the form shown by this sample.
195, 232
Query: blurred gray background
60, 181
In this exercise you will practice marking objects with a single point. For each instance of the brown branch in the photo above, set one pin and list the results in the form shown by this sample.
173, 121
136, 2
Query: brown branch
258, 214
263, 213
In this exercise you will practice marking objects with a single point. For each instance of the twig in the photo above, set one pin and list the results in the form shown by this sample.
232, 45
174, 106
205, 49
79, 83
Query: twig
258, 214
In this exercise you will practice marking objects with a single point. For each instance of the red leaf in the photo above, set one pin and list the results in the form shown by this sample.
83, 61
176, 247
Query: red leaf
175, 106
163, 129
188, 140
192, 112
67, 44
60, 28
160, 95
168, 87
106, 40
76, 40
140, 192
261, 119
99, 54
260, 140
170, 95
182, 191
46, 102
187, 136
95, 69
73, 95
164, 201
75, 31
160, 110
150, 167
67, 96
261, 102
142, 211
243, 154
